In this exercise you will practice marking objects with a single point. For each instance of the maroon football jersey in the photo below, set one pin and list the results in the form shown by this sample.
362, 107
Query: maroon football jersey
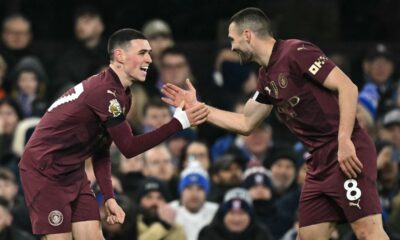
292, 82
74, 126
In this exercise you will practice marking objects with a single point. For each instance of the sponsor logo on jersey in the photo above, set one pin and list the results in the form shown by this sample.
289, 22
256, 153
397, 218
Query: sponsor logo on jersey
55, 218
282, 80
115, 108
317, 65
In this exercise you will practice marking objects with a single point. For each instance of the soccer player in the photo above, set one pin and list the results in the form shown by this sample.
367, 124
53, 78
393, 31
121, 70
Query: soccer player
82, 124
317, 102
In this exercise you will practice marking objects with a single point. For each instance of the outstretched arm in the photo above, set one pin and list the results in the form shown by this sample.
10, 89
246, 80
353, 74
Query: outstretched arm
243, 123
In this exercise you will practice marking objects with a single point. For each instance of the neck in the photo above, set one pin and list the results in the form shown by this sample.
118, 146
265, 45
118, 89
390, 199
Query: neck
125, 79
263, 50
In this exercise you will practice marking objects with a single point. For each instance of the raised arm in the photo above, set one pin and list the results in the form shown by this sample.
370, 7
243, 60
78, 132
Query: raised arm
244, 123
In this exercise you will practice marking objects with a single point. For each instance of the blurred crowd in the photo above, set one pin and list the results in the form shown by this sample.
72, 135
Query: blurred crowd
202, 183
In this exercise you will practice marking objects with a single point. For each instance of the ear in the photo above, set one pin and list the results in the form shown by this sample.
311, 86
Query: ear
119, 55
247, 35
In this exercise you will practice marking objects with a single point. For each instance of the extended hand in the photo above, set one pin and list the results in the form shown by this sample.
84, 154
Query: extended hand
197, 114
175, 95
115, 214
348, 160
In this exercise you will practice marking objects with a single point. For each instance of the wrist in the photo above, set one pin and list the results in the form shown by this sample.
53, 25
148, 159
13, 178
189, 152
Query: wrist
181, 116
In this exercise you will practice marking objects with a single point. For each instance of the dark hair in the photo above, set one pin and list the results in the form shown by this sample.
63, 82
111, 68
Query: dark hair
253, 19
173, 51
154, 103
86, 10
11, 102
121, 38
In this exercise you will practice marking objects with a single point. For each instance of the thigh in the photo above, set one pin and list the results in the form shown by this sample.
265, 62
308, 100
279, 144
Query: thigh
357, 197
369, 227
87, 230
320, 231
315, 207
58, 236
48, 204
85, 206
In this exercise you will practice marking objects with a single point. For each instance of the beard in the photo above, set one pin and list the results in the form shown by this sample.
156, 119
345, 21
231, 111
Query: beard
245, 57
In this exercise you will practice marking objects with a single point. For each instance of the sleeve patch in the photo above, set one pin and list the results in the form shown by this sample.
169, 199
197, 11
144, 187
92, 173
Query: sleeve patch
114, 108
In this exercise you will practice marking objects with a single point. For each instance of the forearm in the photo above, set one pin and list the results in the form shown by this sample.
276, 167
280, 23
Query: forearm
102, 171
348, 95
231, 121
131, 145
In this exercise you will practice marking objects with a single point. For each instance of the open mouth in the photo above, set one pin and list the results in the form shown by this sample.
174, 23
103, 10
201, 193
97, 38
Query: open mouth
144, 69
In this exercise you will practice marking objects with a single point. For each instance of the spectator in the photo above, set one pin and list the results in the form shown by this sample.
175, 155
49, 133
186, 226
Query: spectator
235, 220
159, 34
226, 173
158, 163
130, 172
10, 115
156, 113
7, 230
88, 54
29, 80
9, 191
156, 219
16, 39
379, 67
193, 212
197, 150
283, 171
367, 108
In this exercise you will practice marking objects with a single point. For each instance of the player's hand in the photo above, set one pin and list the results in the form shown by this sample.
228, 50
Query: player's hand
197, 114
166, 213
175, 95
348, 160
115, 214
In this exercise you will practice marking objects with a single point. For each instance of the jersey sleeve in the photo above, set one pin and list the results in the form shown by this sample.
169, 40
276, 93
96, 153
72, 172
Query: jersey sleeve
106, 105
308, 59
259, 95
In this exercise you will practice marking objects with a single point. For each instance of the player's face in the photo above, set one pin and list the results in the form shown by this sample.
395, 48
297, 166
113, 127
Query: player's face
137, 59
239, 45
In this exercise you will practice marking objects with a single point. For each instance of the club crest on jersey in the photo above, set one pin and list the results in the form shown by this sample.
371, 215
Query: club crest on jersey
282, 80
115, 108
55, 218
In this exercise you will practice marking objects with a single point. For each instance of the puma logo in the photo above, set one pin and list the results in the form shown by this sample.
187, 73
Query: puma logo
301, 48
111, 92
351, 204
268, 90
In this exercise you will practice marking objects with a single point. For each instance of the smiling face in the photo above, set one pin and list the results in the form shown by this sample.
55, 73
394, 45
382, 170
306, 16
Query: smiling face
240, 45
135, 59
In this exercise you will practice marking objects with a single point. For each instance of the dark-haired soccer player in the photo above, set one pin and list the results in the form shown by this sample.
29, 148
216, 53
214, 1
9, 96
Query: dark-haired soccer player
317, 102
81, 124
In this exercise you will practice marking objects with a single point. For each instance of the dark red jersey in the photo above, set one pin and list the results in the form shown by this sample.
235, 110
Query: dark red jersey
292, 82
